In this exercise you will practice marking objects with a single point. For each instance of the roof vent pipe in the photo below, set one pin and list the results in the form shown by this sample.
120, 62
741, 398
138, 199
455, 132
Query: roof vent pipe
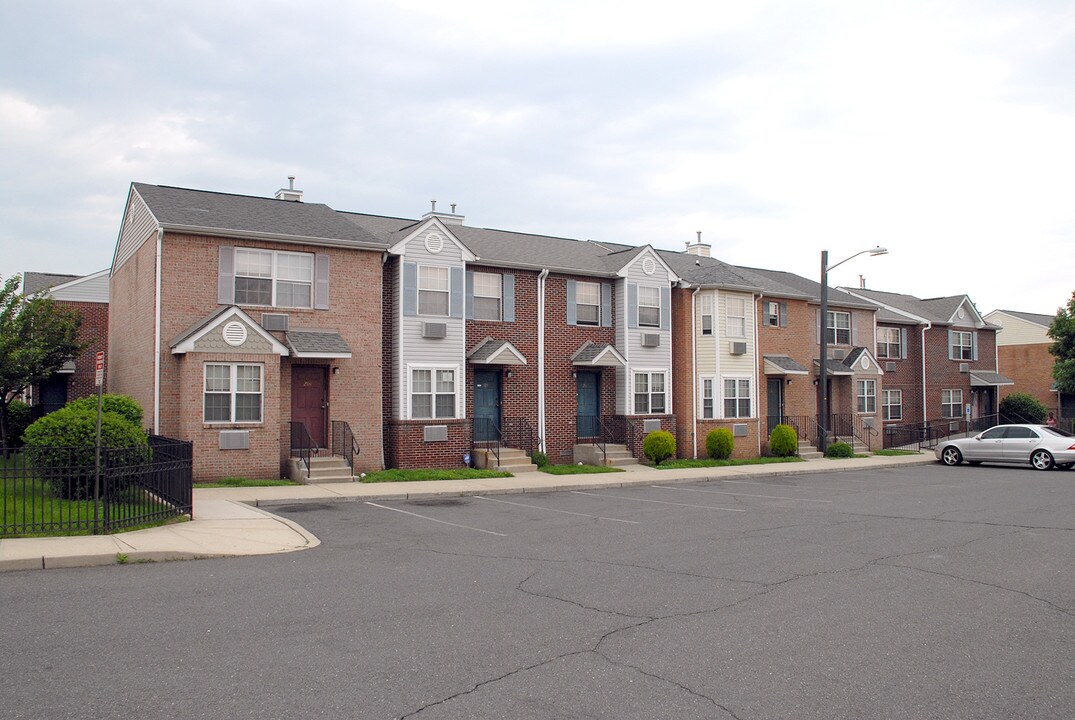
289, 193
699, 248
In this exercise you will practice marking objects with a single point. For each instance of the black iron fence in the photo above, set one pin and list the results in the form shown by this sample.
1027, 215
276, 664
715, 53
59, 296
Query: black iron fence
344, 443
927, 435
58, 489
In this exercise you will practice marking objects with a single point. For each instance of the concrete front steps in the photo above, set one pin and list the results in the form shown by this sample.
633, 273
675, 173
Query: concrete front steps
511, 460
614, 455
809, 452
323, 469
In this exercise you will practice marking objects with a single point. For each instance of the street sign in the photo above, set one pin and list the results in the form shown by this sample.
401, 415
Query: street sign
100, 379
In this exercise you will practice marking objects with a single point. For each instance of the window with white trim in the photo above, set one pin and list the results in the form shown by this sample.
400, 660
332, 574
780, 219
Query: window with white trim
649, 306
488, 290
891, 404
432, 393
772, 313
273, 278
649, 393
952, 403
866, 396
736, 309
962, 346
889, 343
707, 398
707, 314
737, 397
232, 393
433, 287
588, 303
838, 326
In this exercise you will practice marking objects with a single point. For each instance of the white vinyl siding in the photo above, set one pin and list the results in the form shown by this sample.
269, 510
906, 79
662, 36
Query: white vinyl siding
138, 226
629, 335
232, 393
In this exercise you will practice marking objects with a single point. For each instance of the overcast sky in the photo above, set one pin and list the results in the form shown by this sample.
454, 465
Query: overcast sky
944, 131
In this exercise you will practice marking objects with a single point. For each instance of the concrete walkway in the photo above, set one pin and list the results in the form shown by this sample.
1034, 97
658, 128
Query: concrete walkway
229, 522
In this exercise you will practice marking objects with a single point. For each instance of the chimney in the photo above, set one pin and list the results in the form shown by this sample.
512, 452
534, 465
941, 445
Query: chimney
289, 193
447, 218
699, 248
862, 281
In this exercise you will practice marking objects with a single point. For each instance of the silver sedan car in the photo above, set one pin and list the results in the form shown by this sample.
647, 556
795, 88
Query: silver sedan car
1040, 446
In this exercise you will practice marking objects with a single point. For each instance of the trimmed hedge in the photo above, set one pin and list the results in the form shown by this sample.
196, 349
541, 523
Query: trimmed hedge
1021, 407
719, 443
784, 441
840, 450
659, 445
111, 403
18, 419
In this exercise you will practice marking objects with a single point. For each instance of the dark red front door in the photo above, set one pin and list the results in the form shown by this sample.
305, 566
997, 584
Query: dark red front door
309, 396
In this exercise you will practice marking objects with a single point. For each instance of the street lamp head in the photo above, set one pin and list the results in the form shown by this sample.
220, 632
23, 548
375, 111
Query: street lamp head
878, 251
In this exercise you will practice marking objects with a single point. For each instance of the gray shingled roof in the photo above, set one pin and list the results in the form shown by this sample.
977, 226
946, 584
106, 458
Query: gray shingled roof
590, 351
198, 209
489, 348
1036, 318
980, 378
199, 325
785, 363
935, 310
780, 283
304, 343
35, 282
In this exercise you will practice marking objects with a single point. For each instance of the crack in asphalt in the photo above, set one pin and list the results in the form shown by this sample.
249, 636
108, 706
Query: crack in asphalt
958, 522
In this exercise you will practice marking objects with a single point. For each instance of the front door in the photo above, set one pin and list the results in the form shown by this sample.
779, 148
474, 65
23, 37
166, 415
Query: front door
588, 388
54, 393
775, 394
486, 405
309, 399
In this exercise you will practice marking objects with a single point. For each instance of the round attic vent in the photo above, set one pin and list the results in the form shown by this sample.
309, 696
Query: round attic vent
434, 242
648, 265
234, 334
961, 313
865, 362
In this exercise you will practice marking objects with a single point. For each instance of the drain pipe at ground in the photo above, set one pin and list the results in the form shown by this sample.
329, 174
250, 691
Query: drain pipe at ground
541, 360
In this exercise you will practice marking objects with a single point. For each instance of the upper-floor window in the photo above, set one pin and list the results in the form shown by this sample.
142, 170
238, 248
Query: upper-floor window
649, 393
838, 327
889, 343
649, 306
273, 278
866, 396
707, 314
433, 290
952, 403
737, 317
588, 303
736, 397
487, 296
773, 314
962, 345
232, 393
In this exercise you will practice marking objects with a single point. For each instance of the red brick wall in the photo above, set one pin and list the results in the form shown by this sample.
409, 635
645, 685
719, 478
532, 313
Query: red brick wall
410, 450
683, 391
944, 374
131, 292
907, 376
743, 447
94, 332
1031, 367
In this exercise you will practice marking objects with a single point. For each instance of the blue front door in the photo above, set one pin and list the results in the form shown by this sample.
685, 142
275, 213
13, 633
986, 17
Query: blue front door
589, 403
486, 405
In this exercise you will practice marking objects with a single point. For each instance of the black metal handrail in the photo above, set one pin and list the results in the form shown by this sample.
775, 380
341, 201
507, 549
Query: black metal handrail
344, 443
302, 444
589, 430
850, 426
518, 433
489, 430
805, 426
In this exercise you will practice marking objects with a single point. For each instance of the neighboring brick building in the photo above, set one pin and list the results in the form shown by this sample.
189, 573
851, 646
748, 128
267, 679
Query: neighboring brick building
1023, 355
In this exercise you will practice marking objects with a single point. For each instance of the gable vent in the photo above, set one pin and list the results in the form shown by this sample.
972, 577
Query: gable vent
234, 334
434, 242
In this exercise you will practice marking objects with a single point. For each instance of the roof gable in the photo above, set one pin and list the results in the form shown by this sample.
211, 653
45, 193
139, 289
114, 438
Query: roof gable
186, 340
423, 228
647, 251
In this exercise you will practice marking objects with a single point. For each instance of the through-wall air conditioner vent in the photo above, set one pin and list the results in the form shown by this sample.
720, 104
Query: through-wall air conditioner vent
739, 348
964, 367
890, 367
651, 340
739, 430
435, 433
838, 354
434, 330
234, 440
652, 425
274, 322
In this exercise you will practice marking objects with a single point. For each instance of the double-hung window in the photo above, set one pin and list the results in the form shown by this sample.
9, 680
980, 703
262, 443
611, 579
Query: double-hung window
233, 393
889, 343
432, 393
649, 393
707, 314
649, 306
866, 396
707, 398
275, 279
891, 404
962, 347
433, 290
772, 313
588, 303
736, 397
737, 317
488, 289
838, 327
952, 403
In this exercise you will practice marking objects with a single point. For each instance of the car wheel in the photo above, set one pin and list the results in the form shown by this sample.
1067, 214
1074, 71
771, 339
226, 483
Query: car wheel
1041, 460
951, 456
1065, 466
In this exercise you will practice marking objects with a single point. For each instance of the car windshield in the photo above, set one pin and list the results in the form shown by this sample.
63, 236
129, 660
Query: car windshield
1057, 431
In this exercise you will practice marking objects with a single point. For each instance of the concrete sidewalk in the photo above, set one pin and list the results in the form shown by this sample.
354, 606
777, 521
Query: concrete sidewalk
228, 522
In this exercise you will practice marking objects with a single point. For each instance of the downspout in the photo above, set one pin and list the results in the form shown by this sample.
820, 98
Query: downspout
694, 373
541, 359
384, 261
757, 374
157, 340
928, 326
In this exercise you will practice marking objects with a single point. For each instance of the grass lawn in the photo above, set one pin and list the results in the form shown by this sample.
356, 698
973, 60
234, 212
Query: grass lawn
577, 469
707, 462
235, 482
415, 475
888, 453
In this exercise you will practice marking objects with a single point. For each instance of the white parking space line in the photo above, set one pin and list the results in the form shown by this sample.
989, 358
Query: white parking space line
658, 502
769, 485
726, 492
565, 512
442, 522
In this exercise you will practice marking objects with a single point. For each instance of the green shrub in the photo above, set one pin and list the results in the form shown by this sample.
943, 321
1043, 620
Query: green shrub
539, 458
110, 403
659, 445
1021, 407
840, 450
61, 446
783, 441
719, 443
18, 419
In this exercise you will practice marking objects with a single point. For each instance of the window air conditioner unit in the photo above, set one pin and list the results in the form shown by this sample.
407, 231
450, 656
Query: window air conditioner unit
234, 440
964, 367
434, 330
435, 433
739, 348
651, 340
890, 367
651, 425
838, 354
739, 430
274, 322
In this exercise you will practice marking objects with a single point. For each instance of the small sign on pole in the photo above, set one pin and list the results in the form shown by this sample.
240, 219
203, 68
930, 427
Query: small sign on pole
100, 379
100, 367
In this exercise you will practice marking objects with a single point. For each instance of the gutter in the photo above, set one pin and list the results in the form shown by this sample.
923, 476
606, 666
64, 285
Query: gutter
275, 237
541, 359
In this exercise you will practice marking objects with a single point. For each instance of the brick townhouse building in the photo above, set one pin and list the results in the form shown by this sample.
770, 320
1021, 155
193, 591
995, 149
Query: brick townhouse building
1023, 355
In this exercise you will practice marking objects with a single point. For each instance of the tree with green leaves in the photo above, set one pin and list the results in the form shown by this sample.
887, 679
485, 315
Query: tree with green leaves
1062, 331
36, 338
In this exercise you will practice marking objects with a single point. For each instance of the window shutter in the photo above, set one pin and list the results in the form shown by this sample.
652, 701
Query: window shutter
974, 346
666, 308
819, 327
606, 305
854, 329
508, 291
903, 342
632, 305
456, 295
470, 295
783, 314
321, 281
950, 356
409, 298
571, 316
225, 286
